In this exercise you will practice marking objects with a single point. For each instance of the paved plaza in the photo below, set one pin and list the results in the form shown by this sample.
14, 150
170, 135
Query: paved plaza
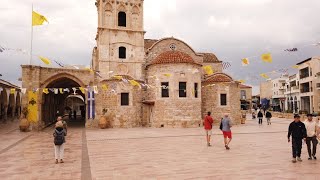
147, 153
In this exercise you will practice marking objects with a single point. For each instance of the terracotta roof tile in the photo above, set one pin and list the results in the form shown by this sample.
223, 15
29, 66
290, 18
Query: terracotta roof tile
148, 43
218, 77
209, 58
173, 57
244, 86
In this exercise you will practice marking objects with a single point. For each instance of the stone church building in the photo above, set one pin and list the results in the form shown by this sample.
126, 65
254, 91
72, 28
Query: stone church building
174, 90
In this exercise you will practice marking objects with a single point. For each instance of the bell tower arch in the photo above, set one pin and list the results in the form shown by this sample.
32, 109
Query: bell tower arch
120, 38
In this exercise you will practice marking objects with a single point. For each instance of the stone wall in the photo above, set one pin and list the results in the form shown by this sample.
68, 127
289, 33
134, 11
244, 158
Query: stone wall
211, 101
119, 116
174, 111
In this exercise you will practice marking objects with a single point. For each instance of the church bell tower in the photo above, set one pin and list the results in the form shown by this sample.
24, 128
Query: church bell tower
120, 38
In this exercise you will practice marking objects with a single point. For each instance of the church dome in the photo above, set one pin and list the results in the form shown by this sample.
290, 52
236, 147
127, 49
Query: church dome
173, 57
218, 77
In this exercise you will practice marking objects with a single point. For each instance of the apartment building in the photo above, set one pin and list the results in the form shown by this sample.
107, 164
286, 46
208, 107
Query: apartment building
292, 94
278, 93
309, 79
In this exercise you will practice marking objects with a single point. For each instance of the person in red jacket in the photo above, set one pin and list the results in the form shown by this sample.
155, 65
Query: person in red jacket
207, 123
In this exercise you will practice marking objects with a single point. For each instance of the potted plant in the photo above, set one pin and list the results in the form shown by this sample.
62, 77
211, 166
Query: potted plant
103, 122
24, 123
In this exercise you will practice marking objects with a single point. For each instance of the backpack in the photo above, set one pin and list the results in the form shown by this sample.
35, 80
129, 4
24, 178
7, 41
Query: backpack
59, 138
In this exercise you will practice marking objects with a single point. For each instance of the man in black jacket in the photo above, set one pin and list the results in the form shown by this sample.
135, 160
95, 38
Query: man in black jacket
268, 116
298, 132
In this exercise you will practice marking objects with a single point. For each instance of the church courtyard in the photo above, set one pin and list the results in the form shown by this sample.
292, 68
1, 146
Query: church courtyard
149, 153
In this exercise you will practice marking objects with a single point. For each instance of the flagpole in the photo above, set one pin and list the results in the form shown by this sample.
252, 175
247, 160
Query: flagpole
30, 61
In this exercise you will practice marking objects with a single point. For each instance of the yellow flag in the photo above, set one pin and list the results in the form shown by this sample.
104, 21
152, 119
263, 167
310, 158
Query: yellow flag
12, 91
245, 62
104, 87
134, 83
38, 19
167, 75
82, 89
242, 81
61, 90
266, 58
89, 69
45, 90
295, 67
264, 76
118, 77
32, 107
208, 69
45, 60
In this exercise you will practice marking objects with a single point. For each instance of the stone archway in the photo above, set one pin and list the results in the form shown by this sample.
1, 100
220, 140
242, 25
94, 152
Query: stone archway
55, 103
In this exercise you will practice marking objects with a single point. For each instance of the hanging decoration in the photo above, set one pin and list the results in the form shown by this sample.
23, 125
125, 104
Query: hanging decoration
266, 58
45, 60
263, 75
208, 70
32, 107
38, 19
245, 62
225, 65
291, 50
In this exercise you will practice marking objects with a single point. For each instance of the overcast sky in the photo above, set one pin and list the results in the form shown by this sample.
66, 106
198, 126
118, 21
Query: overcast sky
232, 29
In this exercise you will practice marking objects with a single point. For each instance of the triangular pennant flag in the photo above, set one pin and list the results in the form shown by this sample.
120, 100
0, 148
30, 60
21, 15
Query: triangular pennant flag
56, 91
38, 19
45, 91
61, 90
167, 75
24, 90
208, 70
82, 89
104, 87
12, 91
134, 83
35, 90
263, 75
118, 77
45, 60
74, 90
295, 67
58, 63
89, 69
95, 89
266, 57
67, 90
245, 62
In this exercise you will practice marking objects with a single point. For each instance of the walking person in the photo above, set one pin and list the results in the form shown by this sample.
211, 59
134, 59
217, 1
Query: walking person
268, 116
59, 140
311, 127
208, 121
298, 132
225, 127
260, 117
65, 126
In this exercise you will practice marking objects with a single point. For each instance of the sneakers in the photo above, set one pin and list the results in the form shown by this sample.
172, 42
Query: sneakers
209, 145
227, 147
299, 159
61, 161
294, 160
57, 161
314, 157
309, 158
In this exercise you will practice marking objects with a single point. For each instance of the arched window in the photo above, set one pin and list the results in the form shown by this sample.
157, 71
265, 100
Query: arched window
122, 19
122, 52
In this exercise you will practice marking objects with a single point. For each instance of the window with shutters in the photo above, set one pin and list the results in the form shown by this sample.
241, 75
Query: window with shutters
124, 99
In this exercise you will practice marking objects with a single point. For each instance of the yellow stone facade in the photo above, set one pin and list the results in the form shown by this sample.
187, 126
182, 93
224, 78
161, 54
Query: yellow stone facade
122, 51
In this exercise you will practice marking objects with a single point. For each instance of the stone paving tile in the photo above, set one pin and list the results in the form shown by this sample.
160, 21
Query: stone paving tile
34, 158
257, 153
